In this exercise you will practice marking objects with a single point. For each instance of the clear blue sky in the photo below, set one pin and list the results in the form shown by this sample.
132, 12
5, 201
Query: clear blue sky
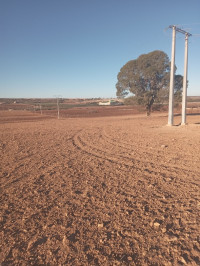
75, 48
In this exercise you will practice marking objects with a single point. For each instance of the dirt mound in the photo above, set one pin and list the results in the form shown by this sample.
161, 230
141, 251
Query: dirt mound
100, 191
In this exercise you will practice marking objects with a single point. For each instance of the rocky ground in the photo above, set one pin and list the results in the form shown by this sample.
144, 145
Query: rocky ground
118, 190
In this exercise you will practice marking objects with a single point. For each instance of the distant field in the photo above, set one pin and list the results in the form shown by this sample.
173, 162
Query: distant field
87, 107
193, 98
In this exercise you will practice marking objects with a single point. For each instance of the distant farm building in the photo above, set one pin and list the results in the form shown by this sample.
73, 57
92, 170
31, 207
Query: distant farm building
110, 102
105, 103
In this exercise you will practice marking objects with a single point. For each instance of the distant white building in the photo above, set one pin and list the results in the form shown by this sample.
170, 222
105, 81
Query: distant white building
105, 103
110, 102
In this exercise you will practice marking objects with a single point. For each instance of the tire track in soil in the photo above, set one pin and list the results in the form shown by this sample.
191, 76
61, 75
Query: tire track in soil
150, 153
164, 172
105, 155
148, 166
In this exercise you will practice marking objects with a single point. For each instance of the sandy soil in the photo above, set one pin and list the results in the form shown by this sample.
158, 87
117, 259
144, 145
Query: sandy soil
99, 191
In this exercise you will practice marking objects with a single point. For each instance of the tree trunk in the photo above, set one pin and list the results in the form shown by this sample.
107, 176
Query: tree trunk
149, 106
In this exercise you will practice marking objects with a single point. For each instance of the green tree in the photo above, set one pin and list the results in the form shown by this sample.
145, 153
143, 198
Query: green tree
147, 78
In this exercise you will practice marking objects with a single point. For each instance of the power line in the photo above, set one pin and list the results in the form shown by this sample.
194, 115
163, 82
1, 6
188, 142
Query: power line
180, 30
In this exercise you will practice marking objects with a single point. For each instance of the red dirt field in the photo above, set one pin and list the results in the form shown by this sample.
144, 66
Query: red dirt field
118, 190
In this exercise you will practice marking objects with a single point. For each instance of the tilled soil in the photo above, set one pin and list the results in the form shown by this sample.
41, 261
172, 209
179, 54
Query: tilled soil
99, 191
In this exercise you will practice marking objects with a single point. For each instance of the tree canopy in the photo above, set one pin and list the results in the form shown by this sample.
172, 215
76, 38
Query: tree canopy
146, 77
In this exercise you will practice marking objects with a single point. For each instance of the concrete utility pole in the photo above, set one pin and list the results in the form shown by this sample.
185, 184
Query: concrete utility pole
184, 96
57, 103
58, 109
172, 73
40, 109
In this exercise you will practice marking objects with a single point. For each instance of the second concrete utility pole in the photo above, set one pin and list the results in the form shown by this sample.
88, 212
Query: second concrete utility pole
172, 73
184, 96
